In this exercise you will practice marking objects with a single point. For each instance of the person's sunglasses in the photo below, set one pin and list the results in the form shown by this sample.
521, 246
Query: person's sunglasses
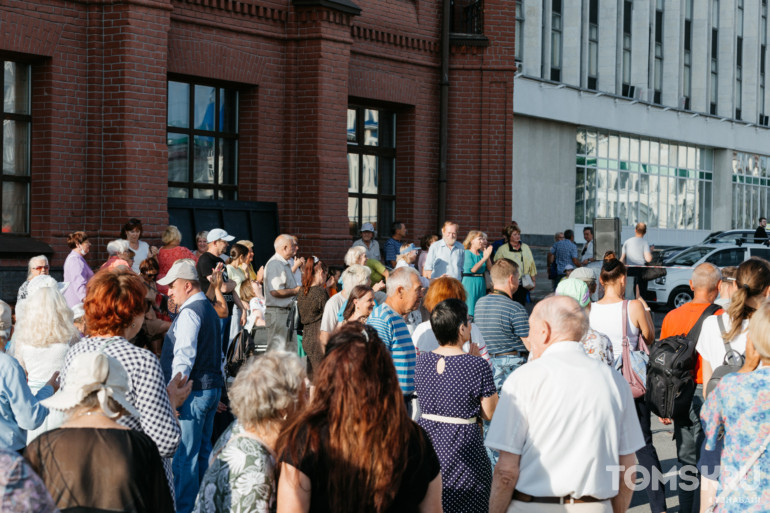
41, 268
150, 275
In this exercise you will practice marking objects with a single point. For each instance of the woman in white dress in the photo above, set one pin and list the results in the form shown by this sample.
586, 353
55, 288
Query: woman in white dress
43, 336
132, 231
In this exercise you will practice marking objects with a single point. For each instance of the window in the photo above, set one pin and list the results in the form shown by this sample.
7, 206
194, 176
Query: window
593, 44
519, 35
728, 257
202, 137
556, 40
751, 189
739, 60
762, 64
714, 55
687, 56
17, 120
467, 17
371, 167
662, 183
626, 89
657, 81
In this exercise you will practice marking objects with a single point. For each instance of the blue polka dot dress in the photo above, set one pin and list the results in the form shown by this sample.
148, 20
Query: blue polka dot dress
466, 473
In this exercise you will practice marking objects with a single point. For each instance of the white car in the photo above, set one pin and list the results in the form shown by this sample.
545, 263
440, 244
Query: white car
674, 288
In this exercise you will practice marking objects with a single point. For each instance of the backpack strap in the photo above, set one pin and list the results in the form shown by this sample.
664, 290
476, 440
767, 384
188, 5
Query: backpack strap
721, 323
695, 330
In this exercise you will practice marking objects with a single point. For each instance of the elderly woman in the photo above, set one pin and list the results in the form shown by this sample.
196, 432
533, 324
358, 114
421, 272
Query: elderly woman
72, 460
170, 253
738, 409
357, 255
43, 336
121, 256
520, 253
37, 265
132, 231
241, 477
77, 272
201, 244
389, 465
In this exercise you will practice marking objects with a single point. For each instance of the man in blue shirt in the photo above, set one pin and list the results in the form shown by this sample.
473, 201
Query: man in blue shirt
564, 252
393, 244
192, 347
445, 256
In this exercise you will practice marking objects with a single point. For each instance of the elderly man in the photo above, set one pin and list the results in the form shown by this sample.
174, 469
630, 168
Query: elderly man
368, 242
553, 455
192, 349
445, 256
404, 294
393, 244
688, 433
280, 289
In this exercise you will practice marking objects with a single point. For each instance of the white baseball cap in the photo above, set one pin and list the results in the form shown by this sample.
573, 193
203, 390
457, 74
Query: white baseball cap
218, 234
184, 269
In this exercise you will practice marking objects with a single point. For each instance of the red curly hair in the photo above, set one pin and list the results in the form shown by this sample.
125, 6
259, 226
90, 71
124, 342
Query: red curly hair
113, 299
443, 288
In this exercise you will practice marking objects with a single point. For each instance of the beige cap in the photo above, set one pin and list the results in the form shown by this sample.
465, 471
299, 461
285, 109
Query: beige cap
182, 269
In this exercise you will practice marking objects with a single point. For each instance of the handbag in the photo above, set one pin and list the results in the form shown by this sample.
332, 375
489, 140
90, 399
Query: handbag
633, 364
526, 282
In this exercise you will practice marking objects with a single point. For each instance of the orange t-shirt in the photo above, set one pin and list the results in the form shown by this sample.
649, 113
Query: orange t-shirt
680, 322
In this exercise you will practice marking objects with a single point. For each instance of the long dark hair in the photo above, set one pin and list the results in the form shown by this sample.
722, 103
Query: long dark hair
358, 292
356, 425
130, 225
612, 268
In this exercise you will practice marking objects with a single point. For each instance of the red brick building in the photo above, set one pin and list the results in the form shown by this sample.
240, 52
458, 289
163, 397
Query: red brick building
113, 106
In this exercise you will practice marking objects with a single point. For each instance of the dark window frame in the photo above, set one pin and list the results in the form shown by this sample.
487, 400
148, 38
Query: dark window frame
219, 190
25, 178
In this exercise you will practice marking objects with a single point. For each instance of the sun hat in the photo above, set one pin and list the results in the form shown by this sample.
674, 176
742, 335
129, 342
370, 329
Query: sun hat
184, 269
6, 321
218, 234
367, 227
408, 249
576, 289
585, 274
93, 372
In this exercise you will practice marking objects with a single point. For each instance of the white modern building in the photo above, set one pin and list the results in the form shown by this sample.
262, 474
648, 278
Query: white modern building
647, 110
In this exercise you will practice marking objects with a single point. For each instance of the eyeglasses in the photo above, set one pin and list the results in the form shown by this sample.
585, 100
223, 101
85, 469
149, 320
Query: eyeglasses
41, 268
150, 275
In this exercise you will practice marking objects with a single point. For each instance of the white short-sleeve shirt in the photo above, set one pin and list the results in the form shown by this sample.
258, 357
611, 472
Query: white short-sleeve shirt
711, 346
570, 417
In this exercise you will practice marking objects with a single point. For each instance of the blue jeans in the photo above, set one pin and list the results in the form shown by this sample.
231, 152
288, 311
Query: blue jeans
192, 457
502, 367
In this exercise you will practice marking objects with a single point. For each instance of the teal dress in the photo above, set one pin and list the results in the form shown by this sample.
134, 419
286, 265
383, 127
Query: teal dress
475, 286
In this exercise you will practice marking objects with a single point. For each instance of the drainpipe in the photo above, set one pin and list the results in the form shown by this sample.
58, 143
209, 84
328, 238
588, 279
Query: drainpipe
443, 115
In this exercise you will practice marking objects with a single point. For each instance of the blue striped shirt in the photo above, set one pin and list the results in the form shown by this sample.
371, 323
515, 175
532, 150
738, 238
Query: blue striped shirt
502, 322
393, 331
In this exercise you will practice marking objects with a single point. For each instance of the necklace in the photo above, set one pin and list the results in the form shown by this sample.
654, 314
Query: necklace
93, 412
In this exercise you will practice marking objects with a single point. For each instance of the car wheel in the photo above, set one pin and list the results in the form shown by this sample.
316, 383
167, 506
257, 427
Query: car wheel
679, 296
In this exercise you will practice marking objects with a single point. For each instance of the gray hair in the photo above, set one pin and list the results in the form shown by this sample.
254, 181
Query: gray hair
33, 261
706, 276
564, 315
281, 240
353, 254
401, 277
265, 387
117, 246
355, 275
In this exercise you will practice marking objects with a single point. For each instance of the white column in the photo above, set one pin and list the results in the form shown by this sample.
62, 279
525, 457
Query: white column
572, 42
701, 56
640, 46
726, 53
749, 98
673, 37
610, 45
533, 37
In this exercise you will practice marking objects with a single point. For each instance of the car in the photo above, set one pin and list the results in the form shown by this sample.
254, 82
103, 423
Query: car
673, 289
723, 237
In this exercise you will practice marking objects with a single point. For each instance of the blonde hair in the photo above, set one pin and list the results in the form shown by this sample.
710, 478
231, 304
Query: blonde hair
472, 235
759, 330
752, 279
171, 234
45, 319
266, 386
353, 254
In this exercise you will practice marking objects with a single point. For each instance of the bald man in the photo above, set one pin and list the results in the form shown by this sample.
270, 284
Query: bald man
565, 424
688, 434
280, 288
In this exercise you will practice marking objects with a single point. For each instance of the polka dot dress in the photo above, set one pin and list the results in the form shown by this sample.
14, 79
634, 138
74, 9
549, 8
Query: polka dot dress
466, 473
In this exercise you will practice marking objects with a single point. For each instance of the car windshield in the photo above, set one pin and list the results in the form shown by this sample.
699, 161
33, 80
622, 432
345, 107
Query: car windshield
689, 256
730, 237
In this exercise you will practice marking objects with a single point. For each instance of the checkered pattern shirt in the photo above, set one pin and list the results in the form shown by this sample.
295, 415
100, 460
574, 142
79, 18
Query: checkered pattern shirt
147, 392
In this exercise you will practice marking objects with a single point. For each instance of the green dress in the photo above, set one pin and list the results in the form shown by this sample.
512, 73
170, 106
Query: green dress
475, 286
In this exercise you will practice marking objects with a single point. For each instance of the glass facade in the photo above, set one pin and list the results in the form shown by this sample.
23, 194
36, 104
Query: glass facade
751, 188
662, 183
17, 120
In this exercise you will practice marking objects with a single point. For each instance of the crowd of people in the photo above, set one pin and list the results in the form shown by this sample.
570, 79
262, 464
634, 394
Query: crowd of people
413, 379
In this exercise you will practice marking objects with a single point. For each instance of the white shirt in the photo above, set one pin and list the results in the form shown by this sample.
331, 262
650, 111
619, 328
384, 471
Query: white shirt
140, 255
278, 276
331, 310
587, 252
425, 341
634, 250
711, 345
570, 417
607, 319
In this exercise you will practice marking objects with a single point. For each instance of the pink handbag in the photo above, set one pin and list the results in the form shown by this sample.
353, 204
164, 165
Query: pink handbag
634, 366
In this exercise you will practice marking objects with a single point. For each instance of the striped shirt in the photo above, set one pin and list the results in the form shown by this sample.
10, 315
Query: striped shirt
502, 322
393, 331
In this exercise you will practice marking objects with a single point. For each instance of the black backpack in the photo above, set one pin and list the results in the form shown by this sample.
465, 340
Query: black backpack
241, 349
670, 383
733, 361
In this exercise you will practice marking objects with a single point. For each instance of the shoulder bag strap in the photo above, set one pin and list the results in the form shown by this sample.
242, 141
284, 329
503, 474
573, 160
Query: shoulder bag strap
695, 330
722, 329
625, 322
733, 483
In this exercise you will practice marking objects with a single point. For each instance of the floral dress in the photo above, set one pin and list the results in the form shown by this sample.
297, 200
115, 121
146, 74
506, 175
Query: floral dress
21, 490
739, 410
241, 477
